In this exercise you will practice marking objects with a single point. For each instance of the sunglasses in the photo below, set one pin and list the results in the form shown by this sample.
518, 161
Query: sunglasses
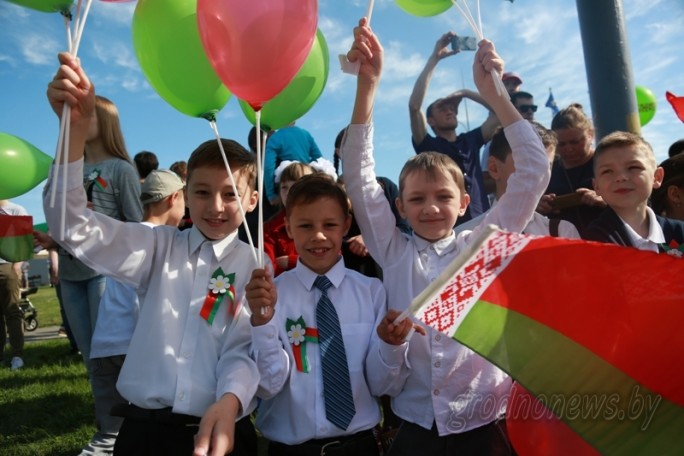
525, 108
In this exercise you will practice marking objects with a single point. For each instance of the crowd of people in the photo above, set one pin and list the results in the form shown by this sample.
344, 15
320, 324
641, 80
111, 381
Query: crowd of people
186, 334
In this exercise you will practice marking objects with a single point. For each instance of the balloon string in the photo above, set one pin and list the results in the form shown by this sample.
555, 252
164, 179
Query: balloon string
212, 123
369, 11
263, 311
61, 155
465, 12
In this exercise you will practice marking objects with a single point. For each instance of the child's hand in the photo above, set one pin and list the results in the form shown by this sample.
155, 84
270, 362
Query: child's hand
357, 246
71, 85
261, 296
216, 435
394, 334
544, 206
590, 197
486, 60
368, 51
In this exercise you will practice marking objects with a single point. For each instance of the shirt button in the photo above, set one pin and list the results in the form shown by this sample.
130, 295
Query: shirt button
435, 392
438, 337
186, 355
181, 396
437, 364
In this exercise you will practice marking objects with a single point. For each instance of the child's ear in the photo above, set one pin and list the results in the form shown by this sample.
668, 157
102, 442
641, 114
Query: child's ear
253, 200
658, 177
400, 206
347, 224
287, 227
493, 167
465, 200
674, 194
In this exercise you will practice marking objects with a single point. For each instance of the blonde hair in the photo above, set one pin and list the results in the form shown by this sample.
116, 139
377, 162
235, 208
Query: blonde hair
109, 128
432, 163
295, 171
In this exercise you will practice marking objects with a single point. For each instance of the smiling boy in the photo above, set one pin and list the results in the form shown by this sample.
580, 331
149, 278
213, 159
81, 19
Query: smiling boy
291, 343
451, 399
187, 375
626, 174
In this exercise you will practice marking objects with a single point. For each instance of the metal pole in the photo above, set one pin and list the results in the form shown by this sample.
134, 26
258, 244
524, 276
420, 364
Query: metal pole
609, 66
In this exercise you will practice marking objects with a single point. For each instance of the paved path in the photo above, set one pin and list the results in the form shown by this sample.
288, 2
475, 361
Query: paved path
43, 333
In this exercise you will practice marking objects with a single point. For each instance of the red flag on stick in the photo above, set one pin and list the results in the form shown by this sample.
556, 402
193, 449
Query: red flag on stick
592, 330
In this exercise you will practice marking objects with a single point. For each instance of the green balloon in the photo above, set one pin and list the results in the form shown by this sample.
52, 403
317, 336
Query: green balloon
22, 166
46, 6
168, 47
300, 94
424, 8
646, 102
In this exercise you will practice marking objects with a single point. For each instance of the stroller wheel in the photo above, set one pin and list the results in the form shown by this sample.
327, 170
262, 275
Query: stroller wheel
30, 323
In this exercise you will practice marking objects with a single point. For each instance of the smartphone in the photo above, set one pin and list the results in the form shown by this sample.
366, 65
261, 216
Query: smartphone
463, 43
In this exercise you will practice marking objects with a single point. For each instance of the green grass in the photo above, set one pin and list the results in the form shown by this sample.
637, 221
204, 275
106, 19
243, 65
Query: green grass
46, 303
46, 407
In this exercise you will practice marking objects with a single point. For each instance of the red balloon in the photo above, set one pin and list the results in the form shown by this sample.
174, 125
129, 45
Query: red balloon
257, 46
535, 431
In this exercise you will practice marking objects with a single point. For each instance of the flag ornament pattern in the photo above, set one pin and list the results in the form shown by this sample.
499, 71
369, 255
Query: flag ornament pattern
16, 237
579, 325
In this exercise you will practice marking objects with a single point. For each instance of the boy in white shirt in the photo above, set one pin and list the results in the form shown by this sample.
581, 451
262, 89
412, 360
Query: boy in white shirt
626, 173
291, 343
500, 166
451, 399
189, 355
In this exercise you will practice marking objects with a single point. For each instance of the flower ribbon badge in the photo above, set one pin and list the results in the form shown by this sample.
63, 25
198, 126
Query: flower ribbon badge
95, 177
220, 288
674, 248
298, 335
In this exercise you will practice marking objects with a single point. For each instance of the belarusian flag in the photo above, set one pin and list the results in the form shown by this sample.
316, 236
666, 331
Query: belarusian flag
16, 237
594, 331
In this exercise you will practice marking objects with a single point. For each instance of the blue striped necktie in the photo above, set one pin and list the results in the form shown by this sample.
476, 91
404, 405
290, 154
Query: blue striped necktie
339, 401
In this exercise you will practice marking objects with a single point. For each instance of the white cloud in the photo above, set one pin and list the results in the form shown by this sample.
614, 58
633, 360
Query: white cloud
39, 49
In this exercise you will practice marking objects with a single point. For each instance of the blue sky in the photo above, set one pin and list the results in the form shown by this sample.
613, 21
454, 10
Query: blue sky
540, 40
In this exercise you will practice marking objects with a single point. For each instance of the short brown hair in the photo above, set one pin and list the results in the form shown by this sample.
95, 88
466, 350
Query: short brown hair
624, 139
499, 147
209, 154
432, 163
313, 187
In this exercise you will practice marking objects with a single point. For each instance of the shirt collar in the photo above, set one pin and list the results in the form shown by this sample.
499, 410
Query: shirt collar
307, 276
444, 245
221, 247
655, 232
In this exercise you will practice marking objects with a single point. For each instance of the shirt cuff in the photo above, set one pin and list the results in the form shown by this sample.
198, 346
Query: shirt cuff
265, 337
393, 355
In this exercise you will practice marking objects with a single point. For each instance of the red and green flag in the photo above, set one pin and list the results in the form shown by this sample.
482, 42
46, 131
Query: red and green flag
16, 237
592, 330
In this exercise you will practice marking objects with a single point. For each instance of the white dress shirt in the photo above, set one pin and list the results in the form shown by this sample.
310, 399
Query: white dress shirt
434, 378
175, 358
538, 226
293, 409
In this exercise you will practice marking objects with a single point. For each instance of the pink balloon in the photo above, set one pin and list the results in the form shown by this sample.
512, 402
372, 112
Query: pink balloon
257, 46
535, 431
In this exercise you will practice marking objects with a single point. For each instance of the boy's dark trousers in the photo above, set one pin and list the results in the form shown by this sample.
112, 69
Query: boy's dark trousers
490, 439
164, 433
